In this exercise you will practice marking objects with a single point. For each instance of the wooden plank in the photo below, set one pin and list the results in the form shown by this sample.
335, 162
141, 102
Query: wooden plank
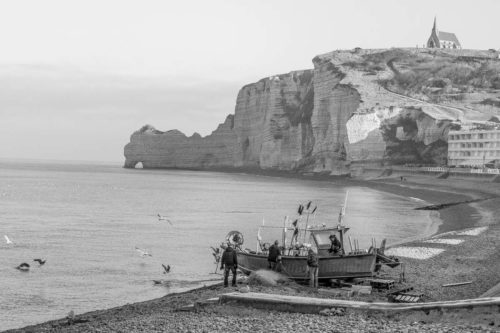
296, 302
456, 284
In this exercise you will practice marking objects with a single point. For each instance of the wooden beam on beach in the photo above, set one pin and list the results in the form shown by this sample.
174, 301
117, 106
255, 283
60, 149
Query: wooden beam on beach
456, 284
313, 305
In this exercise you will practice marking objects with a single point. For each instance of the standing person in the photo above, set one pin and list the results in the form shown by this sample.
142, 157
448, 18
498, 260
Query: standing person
274, 255
312, 266
229, 261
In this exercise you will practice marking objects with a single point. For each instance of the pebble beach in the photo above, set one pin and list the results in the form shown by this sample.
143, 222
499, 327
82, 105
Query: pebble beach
465, 247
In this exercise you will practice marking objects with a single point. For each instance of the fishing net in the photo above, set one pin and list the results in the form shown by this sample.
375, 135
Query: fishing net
266, 278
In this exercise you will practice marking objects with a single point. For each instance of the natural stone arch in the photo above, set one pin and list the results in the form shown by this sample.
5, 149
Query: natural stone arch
133, 164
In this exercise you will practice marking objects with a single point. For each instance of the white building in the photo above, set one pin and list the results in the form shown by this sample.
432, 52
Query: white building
443, 40
474, 147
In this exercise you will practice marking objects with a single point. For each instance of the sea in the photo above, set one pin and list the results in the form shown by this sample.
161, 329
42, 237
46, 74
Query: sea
86, 221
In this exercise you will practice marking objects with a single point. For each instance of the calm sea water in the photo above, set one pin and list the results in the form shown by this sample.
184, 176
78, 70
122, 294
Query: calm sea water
86, 220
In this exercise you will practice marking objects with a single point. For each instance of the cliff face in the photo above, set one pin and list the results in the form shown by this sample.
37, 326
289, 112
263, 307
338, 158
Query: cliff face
272, 121
347, 109
173, 149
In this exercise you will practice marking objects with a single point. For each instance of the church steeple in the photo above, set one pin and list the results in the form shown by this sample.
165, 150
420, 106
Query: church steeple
441, 39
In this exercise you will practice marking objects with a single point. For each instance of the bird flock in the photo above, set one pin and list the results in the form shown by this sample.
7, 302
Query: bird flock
144, 253
24, 266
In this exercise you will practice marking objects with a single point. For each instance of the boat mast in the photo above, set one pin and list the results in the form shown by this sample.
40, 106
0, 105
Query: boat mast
343, 209
341, 219
284, 231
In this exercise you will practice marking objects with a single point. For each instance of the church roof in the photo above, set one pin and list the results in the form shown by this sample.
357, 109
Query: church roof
448, 36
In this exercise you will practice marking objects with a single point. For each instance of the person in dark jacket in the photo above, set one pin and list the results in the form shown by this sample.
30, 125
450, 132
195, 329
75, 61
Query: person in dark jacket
336, 246
274, 256
229, 262
313, 268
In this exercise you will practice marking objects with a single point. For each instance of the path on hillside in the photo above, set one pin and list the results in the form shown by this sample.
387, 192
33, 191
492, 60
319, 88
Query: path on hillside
395, 71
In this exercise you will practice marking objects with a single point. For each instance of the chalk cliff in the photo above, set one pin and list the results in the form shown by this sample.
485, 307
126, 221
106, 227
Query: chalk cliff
353, 107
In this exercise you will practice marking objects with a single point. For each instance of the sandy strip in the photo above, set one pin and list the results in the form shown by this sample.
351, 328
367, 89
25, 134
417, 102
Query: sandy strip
448, 241
466, 232
420, 253
472, 232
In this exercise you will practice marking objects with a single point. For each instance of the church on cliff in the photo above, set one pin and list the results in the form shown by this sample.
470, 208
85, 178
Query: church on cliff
442, 40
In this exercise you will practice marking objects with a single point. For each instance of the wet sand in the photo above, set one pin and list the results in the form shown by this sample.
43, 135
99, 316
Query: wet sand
474, 259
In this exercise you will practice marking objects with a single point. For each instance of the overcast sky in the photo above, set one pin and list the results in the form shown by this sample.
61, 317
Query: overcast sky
78, 77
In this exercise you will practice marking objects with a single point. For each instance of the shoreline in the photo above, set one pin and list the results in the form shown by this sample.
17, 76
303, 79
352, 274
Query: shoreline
422, 187
383, 184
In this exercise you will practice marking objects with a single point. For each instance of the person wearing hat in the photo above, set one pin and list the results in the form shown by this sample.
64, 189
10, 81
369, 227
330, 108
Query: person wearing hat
313, 268
336, 246
229, 262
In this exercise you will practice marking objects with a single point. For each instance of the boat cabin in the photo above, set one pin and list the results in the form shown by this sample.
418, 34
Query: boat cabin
321, 238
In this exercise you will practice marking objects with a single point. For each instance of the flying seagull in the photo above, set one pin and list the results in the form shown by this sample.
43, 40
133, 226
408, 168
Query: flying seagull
23, 267
143, 253
163, 218
216, 251
7, 239
40, 261
166, 268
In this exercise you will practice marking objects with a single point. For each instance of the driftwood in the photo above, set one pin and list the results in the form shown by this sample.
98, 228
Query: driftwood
456, 284
303, 304
446, 205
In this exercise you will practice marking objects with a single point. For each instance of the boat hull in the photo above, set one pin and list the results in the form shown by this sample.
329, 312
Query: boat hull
330, 267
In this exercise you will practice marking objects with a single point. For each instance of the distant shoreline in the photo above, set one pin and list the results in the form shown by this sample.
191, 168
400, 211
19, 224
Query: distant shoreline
446, 221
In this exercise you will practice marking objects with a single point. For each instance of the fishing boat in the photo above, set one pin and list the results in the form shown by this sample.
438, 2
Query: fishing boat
341, 265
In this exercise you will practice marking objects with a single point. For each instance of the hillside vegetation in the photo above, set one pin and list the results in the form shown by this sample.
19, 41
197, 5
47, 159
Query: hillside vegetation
438, 78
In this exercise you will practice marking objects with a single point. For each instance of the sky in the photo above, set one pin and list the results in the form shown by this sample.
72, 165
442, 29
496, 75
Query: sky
77, 78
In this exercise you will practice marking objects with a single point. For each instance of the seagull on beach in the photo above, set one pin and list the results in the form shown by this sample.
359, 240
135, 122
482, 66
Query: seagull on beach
157, 281
7, 239
163, 218
143, 252
23, 267
40, 261
166, 268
